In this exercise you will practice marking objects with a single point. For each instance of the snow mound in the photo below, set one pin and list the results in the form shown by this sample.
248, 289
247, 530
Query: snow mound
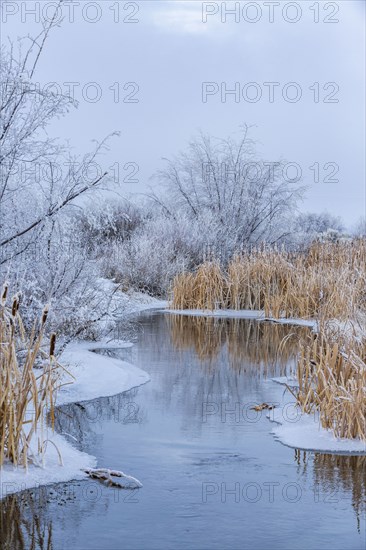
304, 431
97, 375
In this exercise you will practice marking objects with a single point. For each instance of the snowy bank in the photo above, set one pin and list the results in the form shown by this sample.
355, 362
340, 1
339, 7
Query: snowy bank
304, 431
95, 376
131, 302
126, 303
14, 480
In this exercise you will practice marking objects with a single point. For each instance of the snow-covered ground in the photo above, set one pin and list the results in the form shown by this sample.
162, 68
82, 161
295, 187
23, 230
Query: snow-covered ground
95, 376
131, 302
304, 431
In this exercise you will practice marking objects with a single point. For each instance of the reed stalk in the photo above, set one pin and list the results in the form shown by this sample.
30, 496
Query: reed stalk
29, 380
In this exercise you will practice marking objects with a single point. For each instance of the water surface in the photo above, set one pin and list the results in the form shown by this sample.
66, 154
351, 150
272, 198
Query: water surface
213, 475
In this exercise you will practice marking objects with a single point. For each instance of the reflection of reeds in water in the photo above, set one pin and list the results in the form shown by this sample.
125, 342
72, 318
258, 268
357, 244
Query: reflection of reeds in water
21, 527
269, 346
265, 348
205, 336
337, 474
342, 473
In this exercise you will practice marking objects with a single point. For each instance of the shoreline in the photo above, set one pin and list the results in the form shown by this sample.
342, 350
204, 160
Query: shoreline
86, 366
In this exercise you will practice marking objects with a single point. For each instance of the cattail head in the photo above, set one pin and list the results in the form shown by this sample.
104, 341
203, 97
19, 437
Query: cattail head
44, 315
4, 293
15, 305
52, 344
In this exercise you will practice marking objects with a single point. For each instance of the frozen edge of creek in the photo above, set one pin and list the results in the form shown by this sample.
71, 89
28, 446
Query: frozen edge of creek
302, 431
96, 376
86, 366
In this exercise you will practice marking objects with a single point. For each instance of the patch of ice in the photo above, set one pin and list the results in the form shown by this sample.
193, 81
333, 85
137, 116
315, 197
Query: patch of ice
304, 431
96, 375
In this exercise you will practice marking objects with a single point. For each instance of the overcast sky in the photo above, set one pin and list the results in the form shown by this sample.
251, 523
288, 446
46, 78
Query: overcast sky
172, 48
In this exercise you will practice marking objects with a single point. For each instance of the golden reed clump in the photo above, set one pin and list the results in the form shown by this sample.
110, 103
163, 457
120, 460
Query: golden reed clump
25, 397
332, 381
326, 283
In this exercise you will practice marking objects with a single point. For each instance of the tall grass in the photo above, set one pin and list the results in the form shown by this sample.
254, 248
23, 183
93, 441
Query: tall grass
329, 280
27, 393
327, 283
332, 380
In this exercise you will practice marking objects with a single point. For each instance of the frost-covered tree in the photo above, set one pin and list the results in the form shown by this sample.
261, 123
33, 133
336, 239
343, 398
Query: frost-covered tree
243, 200
213, 200
314, 224
41, 185
310, 226
359, 230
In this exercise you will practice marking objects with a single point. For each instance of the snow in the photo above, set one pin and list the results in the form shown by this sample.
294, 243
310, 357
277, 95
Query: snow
13, 480
125, 303
304, 431
95, 376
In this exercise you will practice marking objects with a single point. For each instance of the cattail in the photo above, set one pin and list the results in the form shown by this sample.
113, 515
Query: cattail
5, 292
52, 344
15, 305
44, 315
22, 390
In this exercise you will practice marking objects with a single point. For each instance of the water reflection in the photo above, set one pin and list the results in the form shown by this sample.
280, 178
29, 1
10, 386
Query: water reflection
335, 475
23, 525
259, 349
82, 420
156, 433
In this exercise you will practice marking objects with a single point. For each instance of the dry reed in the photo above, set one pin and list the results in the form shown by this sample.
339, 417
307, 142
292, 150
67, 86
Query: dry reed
25, 396
329, 280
